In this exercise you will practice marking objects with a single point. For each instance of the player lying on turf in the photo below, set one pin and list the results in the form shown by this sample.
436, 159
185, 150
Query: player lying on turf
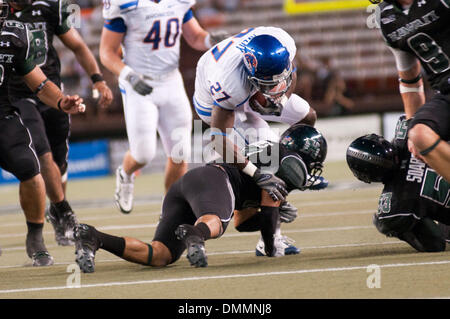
414, 195
200, 205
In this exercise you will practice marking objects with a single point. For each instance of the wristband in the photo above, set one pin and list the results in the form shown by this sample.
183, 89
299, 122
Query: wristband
405, 89
59, 104
250, 169
96, 78
432, 147
413, 81
41, 86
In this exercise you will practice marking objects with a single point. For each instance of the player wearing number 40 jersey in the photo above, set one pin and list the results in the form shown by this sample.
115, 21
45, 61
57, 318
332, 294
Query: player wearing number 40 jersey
418, 33
414, 195
152, 88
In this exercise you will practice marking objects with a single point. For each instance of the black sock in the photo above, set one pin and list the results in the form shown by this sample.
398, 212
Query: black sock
268, 227
34, 241
203, 231
113, 244
62, 206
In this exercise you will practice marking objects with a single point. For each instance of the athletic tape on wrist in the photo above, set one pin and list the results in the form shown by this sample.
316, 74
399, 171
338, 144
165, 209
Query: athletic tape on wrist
250, 169
405, 89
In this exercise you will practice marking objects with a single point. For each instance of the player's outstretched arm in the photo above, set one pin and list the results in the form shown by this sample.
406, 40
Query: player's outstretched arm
76, 44
200, 39
51, 95
111, 58
221, 122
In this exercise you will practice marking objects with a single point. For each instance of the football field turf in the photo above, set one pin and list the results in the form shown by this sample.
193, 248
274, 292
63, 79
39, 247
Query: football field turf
341, 251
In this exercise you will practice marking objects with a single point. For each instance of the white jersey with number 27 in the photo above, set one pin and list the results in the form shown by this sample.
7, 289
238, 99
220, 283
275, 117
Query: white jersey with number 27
221, 77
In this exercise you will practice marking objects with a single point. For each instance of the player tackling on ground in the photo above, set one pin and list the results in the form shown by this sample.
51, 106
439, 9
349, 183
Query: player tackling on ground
414, 195
200, 205
243, 82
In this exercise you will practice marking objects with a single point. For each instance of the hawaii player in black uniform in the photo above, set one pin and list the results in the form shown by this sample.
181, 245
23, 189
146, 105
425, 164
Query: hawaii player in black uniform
200, 205
418, 33
50, 128
414, 195
17, 153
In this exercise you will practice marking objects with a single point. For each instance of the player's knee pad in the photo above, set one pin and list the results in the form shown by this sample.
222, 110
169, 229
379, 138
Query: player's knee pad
143, 151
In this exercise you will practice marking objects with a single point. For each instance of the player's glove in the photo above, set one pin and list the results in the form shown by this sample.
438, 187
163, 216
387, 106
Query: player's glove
270, 183
288, 212
215, 37
136, 80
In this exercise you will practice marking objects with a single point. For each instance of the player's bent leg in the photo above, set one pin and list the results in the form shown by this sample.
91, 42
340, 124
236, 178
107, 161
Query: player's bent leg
432, 149
174, 171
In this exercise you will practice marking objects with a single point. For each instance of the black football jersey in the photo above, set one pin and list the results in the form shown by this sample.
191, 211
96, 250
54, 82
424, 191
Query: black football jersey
45, 19
16, 56
415, 190
244, 187
424, 31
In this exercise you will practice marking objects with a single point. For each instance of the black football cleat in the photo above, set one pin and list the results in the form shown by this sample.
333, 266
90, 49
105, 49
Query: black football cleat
41, 259
195, 245
86, 244
63, 223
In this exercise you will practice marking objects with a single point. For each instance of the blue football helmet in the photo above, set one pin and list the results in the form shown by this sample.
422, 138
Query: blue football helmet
268, 65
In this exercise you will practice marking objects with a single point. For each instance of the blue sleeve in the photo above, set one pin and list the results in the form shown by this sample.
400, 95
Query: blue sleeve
188, 16
116, 25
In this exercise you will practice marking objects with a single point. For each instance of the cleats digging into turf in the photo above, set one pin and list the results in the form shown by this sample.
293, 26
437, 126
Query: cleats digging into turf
86, 244
41, 259
124, 191
283, 246
196, 253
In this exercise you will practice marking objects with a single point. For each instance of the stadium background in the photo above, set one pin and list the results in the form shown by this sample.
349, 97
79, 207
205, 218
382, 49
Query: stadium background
338, 43
344, 70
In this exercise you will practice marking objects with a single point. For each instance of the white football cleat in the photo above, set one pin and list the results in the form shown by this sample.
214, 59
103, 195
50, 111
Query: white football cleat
124, 191
283, 245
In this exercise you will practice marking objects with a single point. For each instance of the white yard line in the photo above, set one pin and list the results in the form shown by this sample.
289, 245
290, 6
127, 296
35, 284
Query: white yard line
198, 278
218, 253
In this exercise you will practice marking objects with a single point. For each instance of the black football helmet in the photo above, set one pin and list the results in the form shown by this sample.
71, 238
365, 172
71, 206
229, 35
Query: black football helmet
372, 158
4, 9
308, 143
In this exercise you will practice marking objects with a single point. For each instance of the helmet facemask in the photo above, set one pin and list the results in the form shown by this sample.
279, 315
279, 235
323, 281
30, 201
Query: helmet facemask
274, 91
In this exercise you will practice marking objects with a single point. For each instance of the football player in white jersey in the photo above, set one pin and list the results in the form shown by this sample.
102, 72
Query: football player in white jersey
243, 82
140, 43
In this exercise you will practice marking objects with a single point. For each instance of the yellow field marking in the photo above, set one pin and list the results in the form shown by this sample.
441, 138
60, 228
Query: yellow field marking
294, 7
260, 274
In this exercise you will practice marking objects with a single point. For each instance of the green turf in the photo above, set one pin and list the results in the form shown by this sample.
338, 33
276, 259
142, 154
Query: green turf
334, 231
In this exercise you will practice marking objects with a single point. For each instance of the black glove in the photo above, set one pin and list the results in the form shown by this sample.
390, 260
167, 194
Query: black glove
270, 183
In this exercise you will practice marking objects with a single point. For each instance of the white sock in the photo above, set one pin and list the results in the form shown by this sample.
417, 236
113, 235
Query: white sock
127, 178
